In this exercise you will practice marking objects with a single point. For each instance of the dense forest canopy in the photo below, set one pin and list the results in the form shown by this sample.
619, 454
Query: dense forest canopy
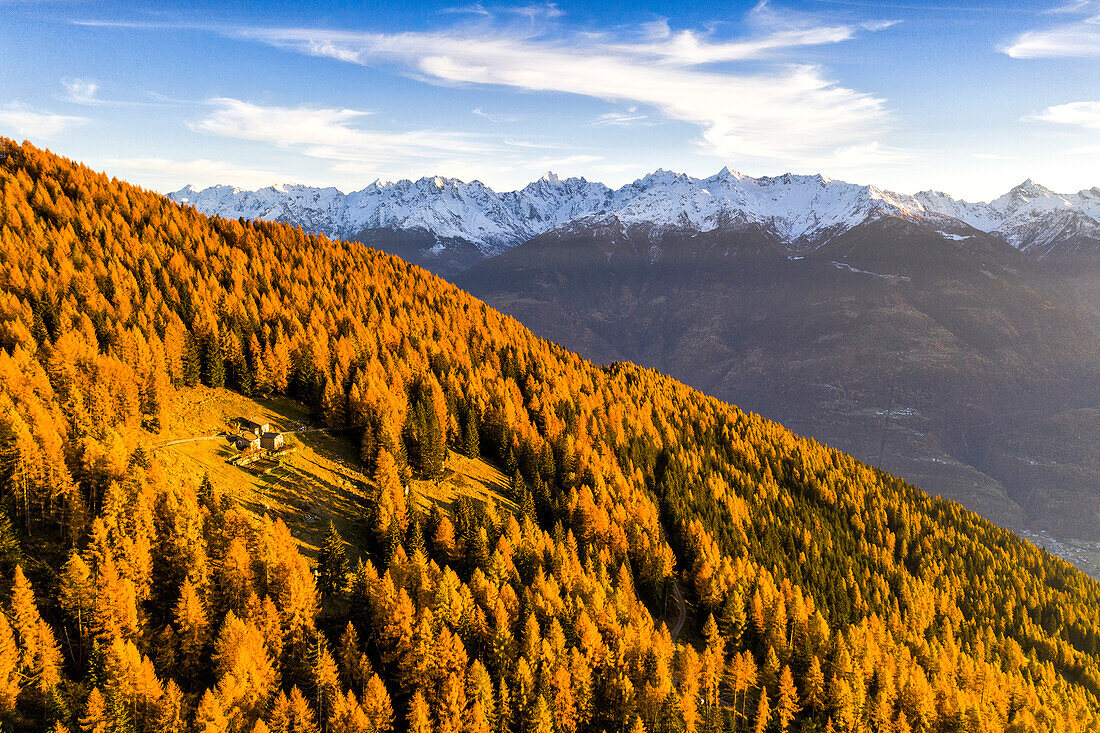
822, 594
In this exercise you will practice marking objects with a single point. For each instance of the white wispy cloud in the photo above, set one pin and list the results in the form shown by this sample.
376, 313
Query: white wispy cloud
1076, 6
629, 117
788, 111
494, 116
24, 121
532, 11
861, 156
80, 91
165, 174
518, 143
87, 92
1079, 38
774, 31
330, 133
691, 48
471, 9
359, 153
771, 30
1077, 114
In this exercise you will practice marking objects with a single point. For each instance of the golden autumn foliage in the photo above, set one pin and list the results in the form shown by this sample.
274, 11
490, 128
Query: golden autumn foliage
821, 594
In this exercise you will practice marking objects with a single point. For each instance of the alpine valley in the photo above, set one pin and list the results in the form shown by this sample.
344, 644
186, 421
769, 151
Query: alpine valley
952, 343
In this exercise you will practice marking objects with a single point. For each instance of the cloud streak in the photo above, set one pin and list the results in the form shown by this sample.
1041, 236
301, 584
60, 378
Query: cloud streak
165, 174
1077, 39
619, 119
500, 119
1077, 114
689, 48
35, 124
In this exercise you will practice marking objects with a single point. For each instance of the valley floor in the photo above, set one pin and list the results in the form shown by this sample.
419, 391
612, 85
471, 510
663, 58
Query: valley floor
1083, 554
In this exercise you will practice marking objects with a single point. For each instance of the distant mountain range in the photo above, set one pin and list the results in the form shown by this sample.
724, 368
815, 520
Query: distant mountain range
800, 211
954, 343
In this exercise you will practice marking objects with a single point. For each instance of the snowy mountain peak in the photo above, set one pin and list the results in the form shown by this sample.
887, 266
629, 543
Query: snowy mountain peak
659, 177
800, 210
1026, 191
726, 173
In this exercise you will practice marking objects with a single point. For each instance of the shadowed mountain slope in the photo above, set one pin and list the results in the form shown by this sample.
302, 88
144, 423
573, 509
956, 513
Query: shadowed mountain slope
931, 355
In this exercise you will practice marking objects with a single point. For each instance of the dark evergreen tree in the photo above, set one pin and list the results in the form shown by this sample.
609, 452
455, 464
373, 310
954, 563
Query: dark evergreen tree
192, 365
471, 446
477, 549
237, 374
517, 488
370, 442
541, 496
207, 496
10, 553
152, 405
415, 541
527, 506
332, 564
393, 542
212, 361
424, 434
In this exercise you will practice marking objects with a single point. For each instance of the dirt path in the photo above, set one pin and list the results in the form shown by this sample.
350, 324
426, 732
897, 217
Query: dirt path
189, 440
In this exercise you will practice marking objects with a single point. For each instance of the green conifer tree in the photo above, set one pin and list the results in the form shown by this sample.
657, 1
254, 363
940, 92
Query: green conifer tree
332, 563
212, 361
191, 363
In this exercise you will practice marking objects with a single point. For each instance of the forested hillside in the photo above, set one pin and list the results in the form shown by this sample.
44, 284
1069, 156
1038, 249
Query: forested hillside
822, 595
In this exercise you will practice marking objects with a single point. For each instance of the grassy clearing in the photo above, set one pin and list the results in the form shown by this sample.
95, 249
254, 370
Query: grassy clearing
463, 477
321, 481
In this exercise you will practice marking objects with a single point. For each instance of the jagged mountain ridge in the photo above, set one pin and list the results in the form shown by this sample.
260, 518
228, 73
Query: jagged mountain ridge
446, 208
1030, 217
797, 210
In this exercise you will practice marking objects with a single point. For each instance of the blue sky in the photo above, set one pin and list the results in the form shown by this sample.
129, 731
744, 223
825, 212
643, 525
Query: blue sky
965, 97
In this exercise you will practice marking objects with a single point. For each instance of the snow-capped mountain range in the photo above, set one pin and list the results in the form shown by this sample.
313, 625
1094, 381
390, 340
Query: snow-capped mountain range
797, 209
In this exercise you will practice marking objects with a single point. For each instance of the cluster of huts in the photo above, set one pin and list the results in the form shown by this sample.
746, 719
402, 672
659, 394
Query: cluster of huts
256, 435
